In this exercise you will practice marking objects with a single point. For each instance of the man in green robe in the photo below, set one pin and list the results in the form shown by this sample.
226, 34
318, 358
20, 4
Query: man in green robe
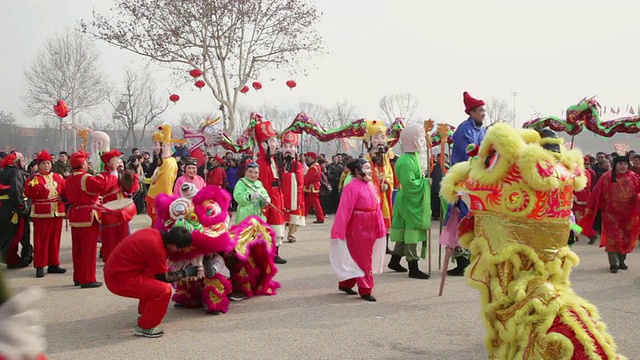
412, 206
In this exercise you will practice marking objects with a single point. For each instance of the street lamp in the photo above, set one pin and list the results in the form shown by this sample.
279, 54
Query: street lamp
514, 93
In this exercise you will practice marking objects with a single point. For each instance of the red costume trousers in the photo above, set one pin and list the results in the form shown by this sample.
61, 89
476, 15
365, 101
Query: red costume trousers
362, 282
84, 248
13, 258
153, 295
111, 236
151, 210
46, 241
312, 200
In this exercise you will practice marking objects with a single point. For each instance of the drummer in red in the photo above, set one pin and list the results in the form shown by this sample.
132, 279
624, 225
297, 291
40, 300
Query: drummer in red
112, 234
45, 189
82, 191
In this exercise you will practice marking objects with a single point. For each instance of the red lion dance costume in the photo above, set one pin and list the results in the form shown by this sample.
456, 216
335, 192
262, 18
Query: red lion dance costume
519, 189
239, 259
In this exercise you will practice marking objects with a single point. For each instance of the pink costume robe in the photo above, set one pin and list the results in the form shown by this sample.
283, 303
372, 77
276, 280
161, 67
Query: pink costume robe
197, 181
358, 237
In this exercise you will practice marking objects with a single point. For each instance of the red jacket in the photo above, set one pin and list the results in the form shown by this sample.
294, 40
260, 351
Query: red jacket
217, 176
45, 192
119, 192
312, 179
82, 191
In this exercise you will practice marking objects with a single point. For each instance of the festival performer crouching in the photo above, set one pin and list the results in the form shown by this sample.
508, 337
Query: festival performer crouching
118, 201
268, 145
45, 189
358, 233
138, 269
83, 191
292, 184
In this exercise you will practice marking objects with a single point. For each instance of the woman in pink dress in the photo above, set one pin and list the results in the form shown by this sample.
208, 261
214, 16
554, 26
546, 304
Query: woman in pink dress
358, 235
190, 176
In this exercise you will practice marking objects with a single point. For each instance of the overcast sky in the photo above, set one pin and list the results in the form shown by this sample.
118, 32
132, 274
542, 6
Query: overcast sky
552, 52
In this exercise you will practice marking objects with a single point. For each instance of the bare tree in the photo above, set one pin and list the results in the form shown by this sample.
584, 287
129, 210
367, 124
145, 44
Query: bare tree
7, 118
340, 114
398, 105
138, 106
498, 110
231, 41
66, 68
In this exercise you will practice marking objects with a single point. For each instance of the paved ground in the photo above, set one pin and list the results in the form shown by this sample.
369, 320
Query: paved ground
309, 319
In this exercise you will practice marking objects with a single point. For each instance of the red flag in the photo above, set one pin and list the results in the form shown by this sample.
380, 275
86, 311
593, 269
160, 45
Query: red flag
199, 155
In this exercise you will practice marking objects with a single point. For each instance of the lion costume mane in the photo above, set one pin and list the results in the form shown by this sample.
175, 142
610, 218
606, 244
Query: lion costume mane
519, 189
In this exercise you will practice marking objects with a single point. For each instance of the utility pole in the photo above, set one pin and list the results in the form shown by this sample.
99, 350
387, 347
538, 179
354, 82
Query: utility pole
514, 93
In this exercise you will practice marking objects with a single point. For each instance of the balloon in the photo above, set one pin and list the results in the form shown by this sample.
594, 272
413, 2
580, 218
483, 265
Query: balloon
244, 90
174, 98
200, 84
195, 73
61, 109
257, 85
291, 84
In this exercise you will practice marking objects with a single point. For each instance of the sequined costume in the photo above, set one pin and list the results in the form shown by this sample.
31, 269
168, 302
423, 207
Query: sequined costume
519, 190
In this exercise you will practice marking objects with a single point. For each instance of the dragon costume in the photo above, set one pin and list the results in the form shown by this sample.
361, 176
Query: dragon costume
239, 259
519, 189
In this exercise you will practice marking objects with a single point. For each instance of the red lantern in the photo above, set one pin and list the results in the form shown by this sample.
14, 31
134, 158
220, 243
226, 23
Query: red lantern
200, 84
291, 84
61, 109
257, 85
195, 73
244, 90
174, 98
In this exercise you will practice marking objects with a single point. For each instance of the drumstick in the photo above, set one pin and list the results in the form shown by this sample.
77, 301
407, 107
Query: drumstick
268, 203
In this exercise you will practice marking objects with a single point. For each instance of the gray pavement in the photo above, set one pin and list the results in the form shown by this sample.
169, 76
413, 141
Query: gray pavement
309, 319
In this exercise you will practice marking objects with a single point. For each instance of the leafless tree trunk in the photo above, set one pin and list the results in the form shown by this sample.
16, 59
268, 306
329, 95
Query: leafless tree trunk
398, 105
498, 110
138, 106
67, 68
231, 41
342, 113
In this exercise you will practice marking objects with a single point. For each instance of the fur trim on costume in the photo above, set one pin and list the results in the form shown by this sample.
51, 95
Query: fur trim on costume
215, 292
211, 204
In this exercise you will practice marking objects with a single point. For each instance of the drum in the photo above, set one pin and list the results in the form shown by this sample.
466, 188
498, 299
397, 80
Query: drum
118, 211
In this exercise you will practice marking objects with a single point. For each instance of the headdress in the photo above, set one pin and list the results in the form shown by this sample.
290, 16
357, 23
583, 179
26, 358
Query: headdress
470, 103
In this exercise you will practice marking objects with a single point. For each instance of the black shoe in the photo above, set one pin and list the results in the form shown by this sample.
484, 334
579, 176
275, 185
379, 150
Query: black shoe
279, 260
237, 296
40, 272
414, 271
623, 266
76, 283
213, 312
56, 269
592, 240
613, 269
318, 222
462, 262
389, 251
96, 284
179, 306
368, 297
347, 291
394, 264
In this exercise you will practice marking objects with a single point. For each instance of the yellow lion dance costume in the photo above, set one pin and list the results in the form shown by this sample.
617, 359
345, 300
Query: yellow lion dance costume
519, 189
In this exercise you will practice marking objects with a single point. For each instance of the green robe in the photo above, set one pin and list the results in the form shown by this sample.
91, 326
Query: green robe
242, 195
412, 207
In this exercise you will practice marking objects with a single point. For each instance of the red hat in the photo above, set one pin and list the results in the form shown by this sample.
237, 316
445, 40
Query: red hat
106, 157
218, 159
290, 138
311, 155
470, 103
264, 131
9, 160
43, 156
77, 159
